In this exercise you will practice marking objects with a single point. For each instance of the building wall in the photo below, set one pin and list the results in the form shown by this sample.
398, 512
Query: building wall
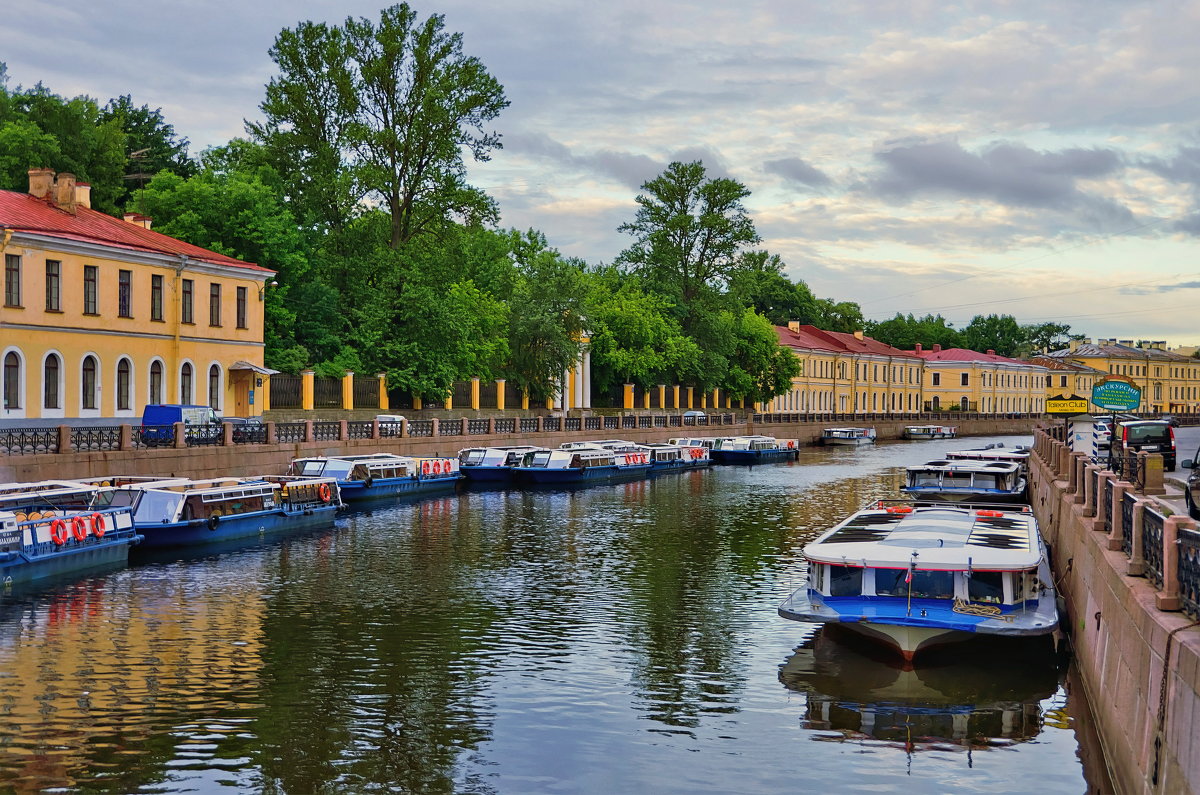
125, 331
845, 383
1166, 384
989, 387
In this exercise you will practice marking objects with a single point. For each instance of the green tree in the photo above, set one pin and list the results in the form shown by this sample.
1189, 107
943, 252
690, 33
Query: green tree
689, 232
760, 284
151, 142
760, 368
906, 331
1000, 333
839, 316
385, 111
1040, 337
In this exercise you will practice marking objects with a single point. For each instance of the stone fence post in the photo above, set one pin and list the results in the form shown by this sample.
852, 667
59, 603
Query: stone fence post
180, 435
1117, 535
308, 430
1088, 497
1168, 598
64, 439
125, 437
343, 430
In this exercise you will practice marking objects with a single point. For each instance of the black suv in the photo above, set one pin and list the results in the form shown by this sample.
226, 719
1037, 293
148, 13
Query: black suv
1191, 489
1153, 436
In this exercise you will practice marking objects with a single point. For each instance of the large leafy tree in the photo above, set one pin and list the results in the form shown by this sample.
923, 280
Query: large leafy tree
385, 111
761, 285
1000, 333
689, 232
759, 368
905, 331
152, 144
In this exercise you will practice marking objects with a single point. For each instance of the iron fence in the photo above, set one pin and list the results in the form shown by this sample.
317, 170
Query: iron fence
366, 393
203, 435
552, 424
420, 428
144, 436
1152, 545
97, 438
450, 427
1189, 571
391, 428
250, 433
1106, 502
326, 431
286, 391
612, 423
360, 429
506, 425
1093, 499
476, 426
1127, 503
488, 391
327, 393
461, 393
289, 432
28, 441
572, 423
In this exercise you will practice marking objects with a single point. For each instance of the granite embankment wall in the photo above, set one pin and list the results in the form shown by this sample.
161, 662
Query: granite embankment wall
256, 459
1121, 572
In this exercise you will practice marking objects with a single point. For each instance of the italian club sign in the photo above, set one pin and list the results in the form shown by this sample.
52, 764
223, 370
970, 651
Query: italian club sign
1116, 394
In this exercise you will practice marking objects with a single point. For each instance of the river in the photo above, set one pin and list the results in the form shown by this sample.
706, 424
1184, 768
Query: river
614, 639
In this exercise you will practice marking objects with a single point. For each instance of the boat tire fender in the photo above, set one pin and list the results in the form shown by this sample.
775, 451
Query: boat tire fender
58, 532
213, 521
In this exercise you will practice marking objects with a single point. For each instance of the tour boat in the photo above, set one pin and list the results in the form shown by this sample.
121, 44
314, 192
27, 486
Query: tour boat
491, 464
754, 449
375, 475
994, 452
917, 577
668, 457
182, 512
48, 529
923, 432
966, 481
848, 436
707, 442
581, 465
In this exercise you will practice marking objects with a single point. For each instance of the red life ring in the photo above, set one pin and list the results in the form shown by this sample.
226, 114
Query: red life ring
791, 445
79, 528
324, 492
98, 525
437, 467
425, 468
58, 532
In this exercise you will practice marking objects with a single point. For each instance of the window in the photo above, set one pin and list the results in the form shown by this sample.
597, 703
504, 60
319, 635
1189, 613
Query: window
156, 390
214, 387
88, 384
185, 383
12, 381
1062, 380
125, 293
185, 308
963, 379
50, 377
156, 297
53, 285
90, 276
937, 379
123, 376
214, 304
241, 307
923, 584
12, 280
986, 586
844, 580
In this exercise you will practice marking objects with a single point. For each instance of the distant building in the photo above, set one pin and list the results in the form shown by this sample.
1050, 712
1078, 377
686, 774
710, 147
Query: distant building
982, 382
103, 315
1066, 378
1170, 382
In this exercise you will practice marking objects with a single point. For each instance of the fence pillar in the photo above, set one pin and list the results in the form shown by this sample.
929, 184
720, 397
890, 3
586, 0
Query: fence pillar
375, 428
646, 399
1117, 535
474, 394
272, 434
417, 403
348, 390
1152, 465
716, 398
1088, 489
307, 390
627, 396
383, 395
675, 397
662, 397
691, 392
226, 433
449, 404
64, 438
524, 401
1075, 484
1168, 598
437, 431
500, 385
491, 426
1137, 562
308, 430
541, 425
126, 438
180, 435
404, 428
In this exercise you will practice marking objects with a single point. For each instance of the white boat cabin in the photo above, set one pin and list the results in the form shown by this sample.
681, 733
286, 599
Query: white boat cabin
494, 456
965, 475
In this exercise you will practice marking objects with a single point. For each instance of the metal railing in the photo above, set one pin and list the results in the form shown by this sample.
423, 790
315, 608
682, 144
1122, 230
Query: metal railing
420, 428
360, 429
28, 441
1152, 545
289, 432
326, 431
1093, 498
286, 391
506, 425
1189, 571
98, 438
528, 424
366, 393
477, 426
1106, 501
450, 427
1127, 502
327, 393
203, 435
144, 436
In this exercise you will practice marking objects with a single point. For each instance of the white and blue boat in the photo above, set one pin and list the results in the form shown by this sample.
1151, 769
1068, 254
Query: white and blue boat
670, 457
381, 475
491, 464
947, 481
994, 452
581, 466
913, 578
189, 513
48, 530
926, 432
754, 449
848, 437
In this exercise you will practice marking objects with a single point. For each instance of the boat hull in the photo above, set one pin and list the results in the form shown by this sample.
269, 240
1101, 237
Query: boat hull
926, 435
752, 456
857, 442
382, 488
198, 532
17, 568
486, 474
541, 476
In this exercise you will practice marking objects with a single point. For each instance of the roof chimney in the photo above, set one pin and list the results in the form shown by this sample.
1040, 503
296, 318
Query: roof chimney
991, 352
918, 348
1073, 345
937, 347
64, 192
83, 194
794, 325
858, 335
40, 181
137, 219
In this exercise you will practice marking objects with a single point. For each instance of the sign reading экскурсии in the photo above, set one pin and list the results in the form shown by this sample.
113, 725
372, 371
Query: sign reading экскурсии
1116, 394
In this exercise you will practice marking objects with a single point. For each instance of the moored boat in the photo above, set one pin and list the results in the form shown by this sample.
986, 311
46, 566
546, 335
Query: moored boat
581, 466
924, 432
491, 464
182, 512
994, 452
916, 577
754, 449
850, 437
380, 475
941, 481
667, 457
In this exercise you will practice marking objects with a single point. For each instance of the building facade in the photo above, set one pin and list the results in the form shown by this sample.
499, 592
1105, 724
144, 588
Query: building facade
103, 315
1066, 378
958, 379
843, 373
1170, 382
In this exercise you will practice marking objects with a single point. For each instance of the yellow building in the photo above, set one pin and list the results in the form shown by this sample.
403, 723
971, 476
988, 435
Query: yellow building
103, 315
981, 382
1170, 382
1067, 378
844, 373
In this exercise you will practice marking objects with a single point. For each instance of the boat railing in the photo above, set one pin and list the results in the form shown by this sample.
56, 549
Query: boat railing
81, 529
908, 502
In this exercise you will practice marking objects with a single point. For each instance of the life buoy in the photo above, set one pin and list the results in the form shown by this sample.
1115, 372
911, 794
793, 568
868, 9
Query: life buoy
79, 528
437, 467
325, 493
58, 532
213, 521
98, 525
368, 481
791, 445
899, 509
425, 468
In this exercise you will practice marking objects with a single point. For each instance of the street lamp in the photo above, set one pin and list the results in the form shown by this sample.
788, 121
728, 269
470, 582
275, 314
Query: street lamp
262, 291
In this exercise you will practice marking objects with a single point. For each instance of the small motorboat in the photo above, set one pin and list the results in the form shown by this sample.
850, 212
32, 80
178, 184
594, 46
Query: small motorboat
966, 481
380, 475
849, 437
491, 464
925, 432
754, 449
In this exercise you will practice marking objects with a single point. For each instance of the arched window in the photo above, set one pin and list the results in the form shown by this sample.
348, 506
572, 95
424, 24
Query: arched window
12, 381
123, 376
88, 383
185, 383
50, 376
214, 386
156, 390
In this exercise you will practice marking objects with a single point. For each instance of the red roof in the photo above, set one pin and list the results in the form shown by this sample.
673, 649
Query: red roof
813, 338
966, 355
22, 212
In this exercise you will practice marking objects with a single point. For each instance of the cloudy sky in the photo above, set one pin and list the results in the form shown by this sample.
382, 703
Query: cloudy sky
1033, 158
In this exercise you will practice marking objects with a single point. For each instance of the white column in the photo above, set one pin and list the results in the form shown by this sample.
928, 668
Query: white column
577, 398
587, 378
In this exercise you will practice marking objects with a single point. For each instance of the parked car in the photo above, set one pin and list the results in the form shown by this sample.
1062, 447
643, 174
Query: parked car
1191, 489
1102, 432
158, 420
1153, 436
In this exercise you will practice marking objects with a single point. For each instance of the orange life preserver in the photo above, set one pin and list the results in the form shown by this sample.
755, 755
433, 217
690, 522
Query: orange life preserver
899, 509
437, 467
445, 467
324, 492
79, 528
98, 525
425, 468
58, 532
791, 445
989, 513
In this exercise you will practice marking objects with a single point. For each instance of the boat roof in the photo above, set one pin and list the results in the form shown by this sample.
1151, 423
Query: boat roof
936, 537
514, 448
849, 428
997, 467
357, 459
991, 454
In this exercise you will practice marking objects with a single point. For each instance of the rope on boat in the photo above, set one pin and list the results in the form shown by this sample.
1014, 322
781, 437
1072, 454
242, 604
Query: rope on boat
988, 611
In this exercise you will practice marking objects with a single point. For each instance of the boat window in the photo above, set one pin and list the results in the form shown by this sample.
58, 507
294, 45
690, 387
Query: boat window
307, 468
845, 580
925, 584
985, 481
473, 457
926, 479
986, 586
956, 479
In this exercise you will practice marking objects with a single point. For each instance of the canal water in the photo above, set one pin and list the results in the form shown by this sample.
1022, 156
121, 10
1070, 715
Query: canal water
611, 639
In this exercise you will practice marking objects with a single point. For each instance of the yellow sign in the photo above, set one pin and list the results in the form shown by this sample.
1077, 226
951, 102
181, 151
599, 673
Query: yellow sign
1071, 405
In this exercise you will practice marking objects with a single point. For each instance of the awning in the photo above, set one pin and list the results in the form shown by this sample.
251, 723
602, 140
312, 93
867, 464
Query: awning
243, 365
